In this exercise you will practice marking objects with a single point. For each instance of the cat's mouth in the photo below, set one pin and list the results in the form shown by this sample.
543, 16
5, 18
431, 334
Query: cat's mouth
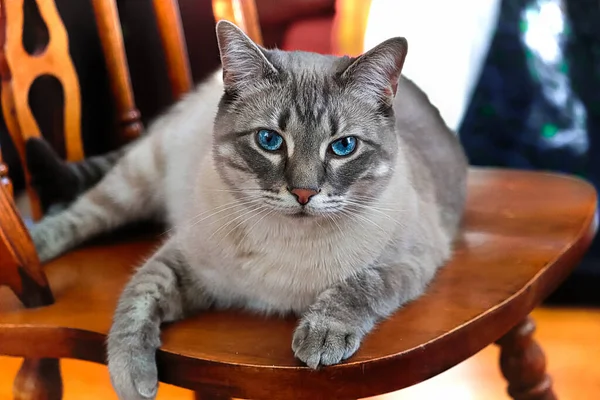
306, 213
300, 214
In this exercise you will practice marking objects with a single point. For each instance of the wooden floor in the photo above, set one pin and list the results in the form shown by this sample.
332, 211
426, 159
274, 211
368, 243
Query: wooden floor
570, 337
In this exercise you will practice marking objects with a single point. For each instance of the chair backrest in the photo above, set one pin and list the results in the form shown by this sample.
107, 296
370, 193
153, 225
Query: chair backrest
19, 69
242, 13
350, 25
19, 266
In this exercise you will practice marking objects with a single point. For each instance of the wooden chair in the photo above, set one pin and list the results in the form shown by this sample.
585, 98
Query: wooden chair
523, 233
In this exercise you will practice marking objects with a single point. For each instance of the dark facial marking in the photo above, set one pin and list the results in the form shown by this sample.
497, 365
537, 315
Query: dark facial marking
311, 98
232, 136
283, 119
348, 173
333, 124
266, 172
234, 164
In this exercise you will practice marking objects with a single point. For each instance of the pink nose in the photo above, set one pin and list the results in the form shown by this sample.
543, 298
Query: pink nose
303, 195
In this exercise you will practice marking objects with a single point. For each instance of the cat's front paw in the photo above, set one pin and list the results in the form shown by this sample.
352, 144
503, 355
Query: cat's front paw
132, 368
320, 340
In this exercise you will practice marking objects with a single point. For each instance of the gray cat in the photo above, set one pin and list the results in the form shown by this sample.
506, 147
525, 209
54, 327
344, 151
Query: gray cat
294, 183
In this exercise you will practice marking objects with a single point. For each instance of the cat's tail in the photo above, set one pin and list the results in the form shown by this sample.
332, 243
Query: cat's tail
59, 182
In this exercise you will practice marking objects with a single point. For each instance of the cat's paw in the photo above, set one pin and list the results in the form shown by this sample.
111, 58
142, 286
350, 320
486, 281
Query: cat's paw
132, 368
320, 340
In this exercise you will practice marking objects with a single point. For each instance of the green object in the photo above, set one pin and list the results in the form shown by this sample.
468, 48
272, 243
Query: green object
549, 130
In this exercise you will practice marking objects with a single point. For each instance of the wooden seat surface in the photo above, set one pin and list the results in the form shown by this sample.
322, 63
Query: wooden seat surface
523, 233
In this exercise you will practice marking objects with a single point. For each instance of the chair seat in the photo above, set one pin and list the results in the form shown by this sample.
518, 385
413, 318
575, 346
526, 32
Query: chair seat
523, 233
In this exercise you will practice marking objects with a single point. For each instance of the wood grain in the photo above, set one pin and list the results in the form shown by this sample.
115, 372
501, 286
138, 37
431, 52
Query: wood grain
568, 335
173, 42
38, 379
243, 13
209, 395
20, 269
19, 70
523, 233
349, 27
111, 38
523, 364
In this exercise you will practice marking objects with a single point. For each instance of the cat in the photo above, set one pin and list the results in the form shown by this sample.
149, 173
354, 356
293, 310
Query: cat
58, 182
293, 182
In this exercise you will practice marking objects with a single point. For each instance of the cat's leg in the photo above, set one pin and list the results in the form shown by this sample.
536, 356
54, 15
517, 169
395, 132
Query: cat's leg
131, 191
160, 291
59, 182
332, 329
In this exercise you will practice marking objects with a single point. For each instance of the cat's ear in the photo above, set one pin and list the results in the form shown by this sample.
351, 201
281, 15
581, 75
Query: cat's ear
376, 72
244, 62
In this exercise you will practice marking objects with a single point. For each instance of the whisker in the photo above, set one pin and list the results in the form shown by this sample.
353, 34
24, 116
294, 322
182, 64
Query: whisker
235, 219
227, 206
269, 212
333, 219
226, 216
256, 213
214, 211
365, 219
369, 206
357, 207
318, 224
372, 199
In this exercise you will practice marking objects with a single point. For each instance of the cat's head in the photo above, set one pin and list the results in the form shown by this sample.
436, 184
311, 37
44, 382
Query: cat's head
306, 134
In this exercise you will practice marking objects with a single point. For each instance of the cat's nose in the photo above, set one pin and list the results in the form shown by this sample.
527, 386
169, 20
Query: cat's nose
303, 195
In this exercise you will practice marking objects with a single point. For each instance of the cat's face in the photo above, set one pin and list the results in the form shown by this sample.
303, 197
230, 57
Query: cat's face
297, 134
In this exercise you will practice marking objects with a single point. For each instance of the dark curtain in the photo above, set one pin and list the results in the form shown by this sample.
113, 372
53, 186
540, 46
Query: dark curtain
533, 109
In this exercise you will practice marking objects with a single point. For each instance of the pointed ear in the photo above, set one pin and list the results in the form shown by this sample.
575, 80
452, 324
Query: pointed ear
244, 62
376, 73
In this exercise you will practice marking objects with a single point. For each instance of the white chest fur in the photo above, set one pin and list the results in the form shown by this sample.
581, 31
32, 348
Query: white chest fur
280, 265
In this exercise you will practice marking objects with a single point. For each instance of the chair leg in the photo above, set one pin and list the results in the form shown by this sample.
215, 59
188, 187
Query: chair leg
208, 395
38, 379
523, 364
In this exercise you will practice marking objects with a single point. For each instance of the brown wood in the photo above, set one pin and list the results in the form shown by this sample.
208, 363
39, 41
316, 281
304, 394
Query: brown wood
350, 25
523, 233
20, 269
243, 13
19, 70
209, 395
523, 364
173, 41
4, 178
111, 37
38, 379
568, 334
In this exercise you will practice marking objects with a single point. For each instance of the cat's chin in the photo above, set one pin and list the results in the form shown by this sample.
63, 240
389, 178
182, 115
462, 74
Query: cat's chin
305, 215
302, 214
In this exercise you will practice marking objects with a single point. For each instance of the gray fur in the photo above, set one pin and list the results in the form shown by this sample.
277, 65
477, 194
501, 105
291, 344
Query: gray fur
90, 170
382, 223
59, 182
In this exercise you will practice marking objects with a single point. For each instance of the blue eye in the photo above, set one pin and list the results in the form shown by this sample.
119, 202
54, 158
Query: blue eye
269, 140
344, 146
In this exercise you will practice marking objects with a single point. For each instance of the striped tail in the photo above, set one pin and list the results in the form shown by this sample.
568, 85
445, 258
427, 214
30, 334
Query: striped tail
59, 182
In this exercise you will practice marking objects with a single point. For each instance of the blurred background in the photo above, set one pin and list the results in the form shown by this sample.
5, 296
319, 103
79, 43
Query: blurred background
519, 81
